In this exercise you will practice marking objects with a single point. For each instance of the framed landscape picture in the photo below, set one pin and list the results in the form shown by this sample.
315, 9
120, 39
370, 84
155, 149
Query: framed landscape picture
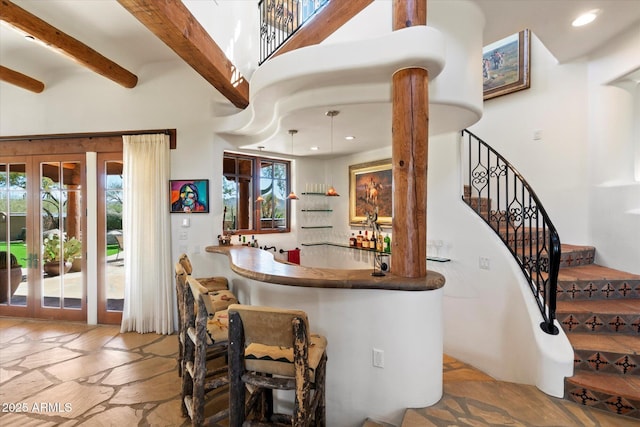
189, 195
505, 65
371, 188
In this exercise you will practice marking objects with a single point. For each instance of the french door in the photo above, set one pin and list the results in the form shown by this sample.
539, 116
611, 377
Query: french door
42, 220
111, 245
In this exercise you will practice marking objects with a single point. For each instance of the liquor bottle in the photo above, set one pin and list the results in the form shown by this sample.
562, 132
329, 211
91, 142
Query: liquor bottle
365, 240
379, 243
372, 241
387, 244
352, 240
359, 239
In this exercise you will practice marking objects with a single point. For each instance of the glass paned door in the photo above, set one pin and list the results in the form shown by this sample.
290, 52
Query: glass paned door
111, 242
14, 258
42, 216
62, 221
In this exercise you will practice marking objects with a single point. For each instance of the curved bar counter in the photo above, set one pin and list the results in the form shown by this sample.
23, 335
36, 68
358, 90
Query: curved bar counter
359, 314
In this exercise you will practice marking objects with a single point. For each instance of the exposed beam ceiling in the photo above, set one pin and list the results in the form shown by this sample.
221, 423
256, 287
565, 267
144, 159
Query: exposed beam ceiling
328, 19
172, 23
21, 80
64, 43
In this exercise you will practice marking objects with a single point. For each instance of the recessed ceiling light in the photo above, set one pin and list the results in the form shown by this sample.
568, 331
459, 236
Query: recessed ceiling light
315, 148
349, 138
586, 18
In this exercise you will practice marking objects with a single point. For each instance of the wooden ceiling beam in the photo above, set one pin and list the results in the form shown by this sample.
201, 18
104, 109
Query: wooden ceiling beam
326, 21
64, 43
172, 23
21, 80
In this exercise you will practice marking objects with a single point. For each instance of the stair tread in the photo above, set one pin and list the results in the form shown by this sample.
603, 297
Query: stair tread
594, 272
602, 306
567, 247
628, 387
613, 343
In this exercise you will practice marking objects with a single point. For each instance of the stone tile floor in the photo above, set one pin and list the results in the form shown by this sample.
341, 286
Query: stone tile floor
72, 374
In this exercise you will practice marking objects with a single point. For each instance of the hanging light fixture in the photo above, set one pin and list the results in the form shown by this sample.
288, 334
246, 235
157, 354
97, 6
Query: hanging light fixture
331, 191
260, 199
292, 195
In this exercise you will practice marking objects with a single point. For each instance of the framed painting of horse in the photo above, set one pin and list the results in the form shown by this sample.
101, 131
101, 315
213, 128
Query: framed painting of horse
371, 192
505, 65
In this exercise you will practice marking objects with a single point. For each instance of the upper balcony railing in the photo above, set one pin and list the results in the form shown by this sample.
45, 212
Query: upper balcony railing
280, 19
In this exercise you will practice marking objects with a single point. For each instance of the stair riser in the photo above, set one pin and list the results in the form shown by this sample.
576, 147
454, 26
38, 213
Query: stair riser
598, 323
597, 290
608, 402
607, 363
576, 258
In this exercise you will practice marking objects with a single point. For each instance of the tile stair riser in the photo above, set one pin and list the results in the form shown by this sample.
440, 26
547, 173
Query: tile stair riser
607, 362
580, 290
608, 402
598, 323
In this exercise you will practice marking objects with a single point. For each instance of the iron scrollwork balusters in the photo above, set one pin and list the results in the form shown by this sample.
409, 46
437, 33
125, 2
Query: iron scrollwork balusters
507, 203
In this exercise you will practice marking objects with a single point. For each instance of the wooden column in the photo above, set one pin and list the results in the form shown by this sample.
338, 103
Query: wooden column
410, 131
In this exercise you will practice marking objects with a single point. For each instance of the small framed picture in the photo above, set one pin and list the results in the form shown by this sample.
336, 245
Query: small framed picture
505, 65
189, 195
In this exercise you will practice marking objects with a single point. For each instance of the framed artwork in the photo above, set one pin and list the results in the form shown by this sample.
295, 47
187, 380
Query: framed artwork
371, 188
189, 195
505, 65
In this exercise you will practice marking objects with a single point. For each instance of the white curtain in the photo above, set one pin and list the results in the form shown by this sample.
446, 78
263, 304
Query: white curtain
148, 300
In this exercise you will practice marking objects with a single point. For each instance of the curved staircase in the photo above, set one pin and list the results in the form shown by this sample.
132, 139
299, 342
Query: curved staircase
599, 309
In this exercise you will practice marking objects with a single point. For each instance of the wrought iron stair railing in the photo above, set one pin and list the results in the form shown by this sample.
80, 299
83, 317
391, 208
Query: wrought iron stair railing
499, 194
280, 19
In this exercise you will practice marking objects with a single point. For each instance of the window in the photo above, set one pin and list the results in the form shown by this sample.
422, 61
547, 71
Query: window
244, 179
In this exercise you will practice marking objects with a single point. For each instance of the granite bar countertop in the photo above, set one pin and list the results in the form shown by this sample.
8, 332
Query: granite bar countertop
260, 265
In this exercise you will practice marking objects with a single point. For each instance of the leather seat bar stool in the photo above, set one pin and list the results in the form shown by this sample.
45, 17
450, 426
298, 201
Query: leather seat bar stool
272, 349
204, 379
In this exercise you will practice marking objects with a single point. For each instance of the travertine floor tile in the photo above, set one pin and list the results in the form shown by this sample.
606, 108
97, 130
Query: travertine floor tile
23, 386
118, 416
86, 366
140, 370
48, 357
157, 389
70, 399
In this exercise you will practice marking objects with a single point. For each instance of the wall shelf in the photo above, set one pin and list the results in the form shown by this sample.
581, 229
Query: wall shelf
316, 210
340, 245
316, 226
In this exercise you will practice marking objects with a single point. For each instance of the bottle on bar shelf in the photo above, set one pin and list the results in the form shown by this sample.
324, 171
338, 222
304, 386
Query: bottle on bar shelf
352, 240
387, 244
365, 240
379, 243
359, 239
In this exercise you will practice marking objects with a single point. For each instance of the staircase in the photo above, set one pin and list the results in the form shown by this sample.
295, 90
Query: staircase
599, 310
598, 307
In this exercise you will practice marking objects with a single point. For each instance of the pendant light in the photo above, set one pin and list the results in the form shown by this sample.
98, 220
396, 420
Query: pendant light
292, 195
260, 199
331, 191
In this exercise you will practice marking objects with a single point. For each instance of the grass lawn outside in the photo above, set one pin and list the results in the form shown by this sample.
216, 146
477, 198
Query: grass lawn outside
19, 249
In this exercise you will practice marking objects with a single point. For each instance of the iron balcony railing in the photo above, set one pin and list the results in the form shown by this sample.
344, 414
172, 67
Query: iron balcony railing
499, 194
280, 19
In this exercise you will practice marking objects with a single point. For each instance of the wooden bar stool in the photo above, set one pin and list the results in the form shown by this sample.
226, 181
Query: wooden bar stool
206, 340
214, 283
220, 296
272, 349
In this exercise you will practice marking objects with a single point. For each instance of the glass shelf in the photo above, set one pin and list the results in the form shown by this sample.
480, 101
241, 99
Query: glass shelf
340, 245
317, 226
313, 194
316, 210
438, 259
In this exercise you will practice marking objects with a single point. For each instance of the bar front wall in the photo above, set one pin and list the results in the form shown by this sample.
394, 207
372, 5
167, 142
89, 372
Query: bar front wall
405, 324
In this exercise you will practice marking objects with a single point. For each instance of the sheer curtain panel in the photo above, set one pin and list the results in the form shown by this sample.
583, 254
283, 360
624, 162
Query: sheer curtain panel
148, 301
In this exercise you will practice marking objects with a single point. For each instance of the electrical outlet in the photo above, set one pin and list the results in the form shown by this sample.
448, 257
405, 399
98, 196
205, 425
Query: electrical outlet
484, 263
378, 358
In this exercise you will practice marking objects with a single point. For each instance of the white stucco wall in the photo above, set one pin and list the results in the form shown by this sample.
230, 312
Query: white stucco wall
556, 105
614, 143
